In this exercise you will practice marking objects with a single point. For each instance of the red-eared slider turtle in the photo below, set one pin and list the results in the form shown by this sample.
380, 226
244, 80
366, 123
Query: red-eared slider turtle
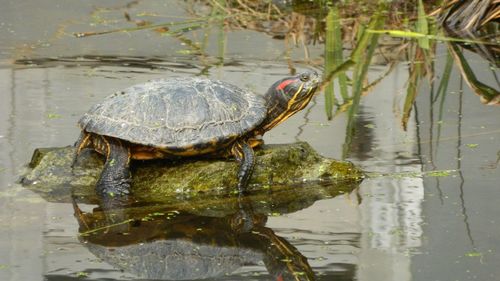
182, 117
158, 243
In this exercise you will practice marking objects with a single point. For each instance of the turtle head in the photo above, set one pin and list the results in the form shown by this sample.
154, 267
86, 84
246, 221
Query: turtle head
289, 95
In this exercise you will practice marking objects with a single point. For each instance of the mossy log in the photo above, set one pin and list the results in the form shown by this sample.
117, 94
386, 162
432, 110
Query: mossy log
278, 167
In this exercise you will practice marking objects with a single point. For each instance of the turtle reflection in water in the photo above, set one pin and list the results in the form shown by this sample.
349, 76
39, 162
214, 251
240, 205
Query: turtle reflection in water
163, 244
183, 117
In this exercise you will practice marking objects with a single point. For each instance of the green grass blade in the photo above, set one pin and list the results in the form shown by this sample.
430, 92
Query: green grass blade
362, 56
411, 92
445, 78
338, 52
221, 36
370, 41
329, 76
330, 61
362, 41
443, 91
417, 35
334, 61
422, 26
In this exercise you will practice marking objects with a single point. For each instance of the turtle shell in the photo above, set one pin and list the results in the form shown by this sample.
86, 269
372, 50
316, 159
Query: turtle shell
177, 113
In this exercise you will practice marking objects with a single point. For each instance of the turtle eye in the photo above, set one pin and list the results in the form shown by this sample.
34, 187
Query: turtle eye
304, 77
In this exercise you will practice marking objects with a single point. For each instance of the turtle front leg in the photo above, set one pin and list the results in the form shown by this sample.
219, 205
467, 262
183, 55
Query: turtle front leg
244, 154
256, 142
82, 142
115, 177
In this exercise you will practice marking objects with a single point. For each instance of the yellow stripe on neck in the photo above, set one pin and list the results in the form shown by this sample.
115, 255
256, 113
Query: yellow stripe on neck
287, 113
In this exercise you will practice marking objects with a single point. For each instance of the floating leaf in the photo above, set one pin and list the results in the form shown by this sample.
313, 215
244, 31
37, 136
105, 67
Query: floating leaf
53, 116
444, 173
185, 52
473, 254
82, 274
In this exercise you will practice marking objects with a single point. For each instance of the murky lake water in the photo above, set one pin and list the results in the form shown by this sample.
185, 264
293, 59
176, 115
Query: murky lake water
398, 228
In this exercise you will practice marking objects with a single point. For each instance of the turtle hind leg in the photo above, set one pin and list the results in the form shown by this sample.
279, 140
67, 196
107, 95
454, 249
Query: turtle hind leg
115, 177
243, 152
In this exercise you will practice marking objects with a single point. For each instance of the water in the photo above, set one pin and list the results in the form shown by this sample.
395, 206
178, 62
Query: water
397, 227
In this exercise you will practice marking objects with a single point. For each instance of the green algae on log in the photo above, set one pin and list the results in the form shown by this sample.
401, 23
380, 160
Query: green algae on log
277, 166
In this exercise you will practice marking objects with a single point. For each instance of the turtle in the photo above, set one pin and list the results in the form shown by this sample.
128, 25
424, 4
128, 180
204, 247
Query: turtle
180, 117
160, 243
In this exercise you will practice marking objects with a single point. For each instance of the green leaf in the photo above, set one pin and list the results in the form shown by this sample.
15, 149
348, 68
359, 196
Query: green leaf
82, 274
488, 94
417, 35
53, 116
411, 93
442, 173
422, 26
330, 60
338, 53
362, 55
473, 254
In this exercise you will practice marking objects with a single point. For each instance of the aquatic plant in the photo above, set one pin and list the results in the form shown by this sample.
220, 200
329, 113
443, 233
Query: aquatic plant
353, 34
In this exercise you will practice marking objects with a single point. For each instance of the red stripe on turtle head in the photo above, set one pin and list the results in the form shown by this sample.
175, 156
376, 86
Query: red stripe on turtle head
285, 83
